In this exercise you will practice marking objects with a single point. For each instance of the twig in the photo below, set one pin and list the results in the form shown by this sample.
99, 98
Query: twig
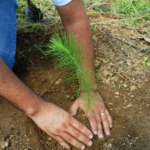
117, 20
44, 144
129, 79
50, 85
96, 4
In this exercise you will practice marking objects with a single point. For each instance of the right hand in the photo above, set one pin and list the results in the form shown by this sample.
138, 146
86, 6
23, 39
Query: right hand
61, 126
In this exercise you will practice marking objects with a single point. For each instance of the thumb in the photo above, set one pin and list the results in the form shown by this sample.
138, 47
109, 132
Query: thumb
74, 108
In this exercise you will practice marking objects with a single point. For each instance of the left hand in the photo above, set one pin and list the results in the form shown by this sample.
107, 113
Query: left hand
98, 115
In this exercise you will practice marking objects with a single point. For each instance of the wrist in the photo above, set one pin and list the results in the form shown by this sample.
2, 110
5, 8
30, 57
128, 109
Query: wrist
34, 108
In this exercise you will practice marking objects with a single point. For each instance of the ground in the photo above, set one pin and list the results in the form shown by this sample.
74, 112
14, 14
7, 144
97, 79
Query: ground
123, 84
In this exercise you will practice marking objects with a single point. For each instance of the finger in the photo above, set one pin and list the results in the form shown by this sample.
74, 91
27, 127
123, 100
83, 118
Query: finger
74, 108
92, 119
78, 125
69, 139
60, 141
78, 135
109, 118
105, 123
98, 119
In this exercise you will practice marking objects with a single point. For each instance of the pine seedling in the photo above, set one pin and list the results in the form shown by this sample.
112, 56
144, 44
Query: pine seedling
68, 54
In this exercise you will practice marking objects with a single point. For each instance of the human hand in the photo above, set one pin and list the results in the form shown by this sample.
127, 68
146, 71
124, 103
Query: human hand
98, 115
61, 126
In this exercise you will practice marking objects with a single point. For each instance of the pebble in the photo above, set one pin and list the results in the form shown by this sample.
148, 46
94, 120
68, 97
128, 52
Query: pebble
117, 93
4, 144
58, 81
133, 87
125, 85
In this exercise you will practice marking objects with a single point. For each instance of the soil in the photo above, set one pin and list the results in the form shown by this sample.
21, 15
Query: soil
124, 87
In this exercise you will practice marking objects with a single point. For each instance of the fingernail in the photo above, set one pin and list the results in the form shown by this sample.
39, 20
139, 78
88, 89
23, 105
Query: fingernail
95, 132
90, 143
100, 136
91, 136
82, 147
108, 133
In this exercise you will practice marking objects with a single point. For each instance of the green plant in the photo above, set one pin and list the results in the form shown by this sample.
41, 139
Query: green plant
94, 28
135, 11
39, 47
120, 85
69, 55
145, 59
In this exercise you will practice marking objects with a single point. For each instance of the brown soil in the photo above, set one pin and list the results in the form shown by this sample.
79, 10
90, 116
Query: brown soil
124, 87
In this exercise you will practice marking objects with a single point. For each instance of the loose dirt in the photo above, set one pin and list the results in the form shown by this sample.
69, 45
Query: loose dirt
124, 87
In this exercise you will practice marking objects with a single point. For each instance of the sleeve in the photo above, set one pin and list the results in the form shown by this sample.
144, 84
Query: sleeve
61, 2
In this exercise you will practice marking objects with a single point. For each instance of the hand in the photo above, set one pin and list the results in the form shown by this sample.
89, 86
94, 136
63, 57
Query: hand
98, 115
61, 126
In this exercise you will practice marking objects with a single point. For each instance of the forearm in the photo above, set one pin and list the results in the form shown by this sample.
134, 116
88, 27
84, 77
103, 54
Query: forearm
17, 92
76, 22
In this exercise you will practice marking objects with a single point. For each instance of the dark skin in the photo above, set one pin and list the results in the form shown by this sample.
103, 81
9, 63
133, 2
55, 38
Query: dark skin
52, 119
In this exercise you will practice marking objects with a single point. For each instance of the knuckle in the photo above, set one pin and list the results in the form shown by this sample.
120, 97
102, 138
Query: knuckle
98, 120
77, 134
63, 125
91, 118
102, 108
69, 139
80, 126
104, 119
57, 131
68, 118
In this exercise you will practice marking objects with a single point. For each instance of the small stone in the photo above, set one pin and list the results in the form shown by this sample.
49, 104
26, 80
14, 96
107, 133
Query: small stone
117, 93
121, 81
58, 81
97, 63
125, 85
129, 105
126, 138
132, 95
4, 144
133, 87
49, 138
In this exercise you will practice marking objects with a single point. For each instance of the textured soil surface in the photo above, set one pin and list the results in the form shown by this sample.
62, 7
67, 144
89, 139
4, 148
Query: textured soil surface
124, 86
